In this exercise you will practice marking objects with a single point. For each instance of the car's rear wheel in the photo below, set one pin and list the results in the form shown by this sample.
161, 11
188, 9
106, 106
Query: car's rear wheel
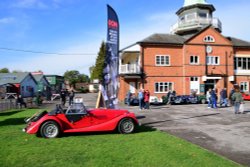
49, 129
126, 126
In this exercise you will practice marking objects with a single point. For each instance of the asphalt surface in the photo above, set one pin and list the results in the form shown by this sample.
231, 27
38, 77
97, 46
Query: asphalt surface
218, 130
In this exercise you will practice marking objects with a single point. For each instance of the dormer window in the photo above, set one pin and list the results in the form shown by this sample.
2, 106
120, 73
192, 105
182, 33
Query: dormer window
209, 38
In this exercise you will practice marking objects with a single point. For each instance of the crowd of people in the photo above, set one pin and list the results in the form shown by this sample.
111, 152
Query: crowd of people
143, 97
235, 99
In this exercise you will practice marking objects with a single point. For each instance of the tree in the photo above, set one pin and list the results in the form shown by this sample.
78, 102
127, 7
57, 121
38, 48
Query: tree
4, 70
97, 70
74, 77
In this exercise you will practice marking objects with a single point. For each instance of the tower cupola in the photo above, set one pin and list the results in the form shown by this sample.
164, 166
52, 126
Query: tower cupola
193, 16
192, 2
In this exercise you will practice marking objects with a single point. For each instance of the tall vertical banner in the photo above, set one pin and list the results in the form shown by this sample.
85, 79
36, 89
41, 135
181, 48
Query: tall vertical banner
110, 72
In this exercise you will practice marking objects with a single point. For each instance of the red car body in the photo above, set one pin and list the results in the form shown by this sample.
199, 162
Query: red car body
92, 120
246, 96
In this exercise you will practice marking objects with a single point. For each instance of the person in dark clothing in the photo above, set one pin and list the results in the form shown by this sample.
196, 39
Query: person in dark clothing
71, 97
230, 97
223, 97
146, 99
20, 102
128, 97
63, 97
214, 99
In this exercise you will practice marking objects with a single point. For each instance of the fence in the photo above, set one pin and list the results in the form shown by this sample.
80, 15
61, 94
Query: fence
7, 104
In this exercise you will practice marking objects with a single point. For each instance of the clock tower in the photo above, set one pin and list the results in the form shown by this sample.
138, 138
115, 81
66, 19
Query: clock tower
193, 16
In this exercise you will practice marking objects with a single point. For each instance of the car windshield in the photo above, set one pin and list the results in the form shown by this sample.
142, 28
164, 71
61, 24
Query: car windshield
76, 108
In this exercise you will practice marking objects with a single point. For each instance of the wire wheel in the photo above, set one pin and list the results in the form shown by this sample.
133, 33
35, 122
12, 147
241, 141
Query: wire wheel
49, 129
126, 126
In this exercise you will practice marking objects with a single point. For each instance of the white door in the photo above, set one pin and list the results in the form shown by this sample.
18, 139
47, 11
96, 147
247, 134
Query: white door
194, 85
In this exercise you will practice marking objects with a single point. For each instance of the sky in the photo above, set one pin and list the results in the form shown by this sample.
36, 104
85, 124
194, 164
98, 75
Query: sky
74, 29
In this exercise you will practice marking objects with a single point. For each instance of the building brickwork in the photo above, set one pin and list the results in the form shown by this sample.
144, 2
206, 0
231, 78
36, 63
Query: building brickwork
205, 59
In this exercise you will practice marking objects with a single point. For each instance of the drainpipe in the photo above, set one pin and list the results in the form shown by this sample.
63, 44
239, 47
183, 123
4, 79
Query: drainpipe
142, 67
184, 72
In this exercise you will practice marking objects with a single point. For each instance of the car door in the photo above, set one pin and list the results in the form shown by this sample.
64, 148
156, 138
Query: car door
78, 117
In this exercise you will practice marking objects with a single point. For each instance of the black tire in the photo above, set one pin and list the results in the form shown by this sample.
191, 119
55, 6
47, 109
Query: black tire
203, 101
126, 126
49, 129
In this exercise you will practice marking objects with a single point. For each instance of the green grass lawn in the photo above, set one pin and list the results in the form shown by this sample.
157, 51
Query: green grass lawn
147, 148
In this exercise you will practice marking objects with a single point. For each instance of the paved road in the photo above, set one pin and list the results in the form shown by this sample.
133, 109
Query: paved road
218, 130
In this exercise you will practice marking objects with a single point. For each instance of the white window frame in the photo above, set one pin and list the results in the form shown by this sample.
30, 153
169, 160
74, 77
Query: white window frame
209, 39
163, 84
197, 80
211, 60
244, 84
198, 60
164, 57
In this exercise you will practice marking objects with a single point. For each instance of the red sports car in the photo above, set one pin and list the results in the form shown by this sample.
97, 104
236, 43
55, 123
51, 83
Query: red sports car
79, 119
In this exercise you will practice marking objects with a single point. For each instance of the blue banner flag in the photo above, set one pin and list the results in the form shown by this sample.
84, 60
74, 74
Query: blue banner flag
110, 72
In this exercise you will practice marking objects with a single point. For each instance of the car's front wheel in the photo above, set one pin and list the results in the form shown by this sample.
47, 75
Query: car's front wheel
203, 101
126, 126
49, 129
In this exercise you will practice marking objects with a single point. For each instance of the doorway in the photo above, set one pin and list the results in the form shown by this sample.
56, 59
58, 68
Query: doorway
210, 84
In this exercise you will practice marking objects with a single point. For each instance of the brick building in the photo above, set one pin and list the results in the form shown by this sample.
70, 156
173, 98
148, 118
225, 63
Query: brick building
195, 56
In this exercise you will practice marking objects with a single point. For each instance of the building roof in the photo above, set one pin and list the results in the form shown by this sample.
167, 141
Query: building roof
192, 2
13, 77
172, 39
38, 77
238, 42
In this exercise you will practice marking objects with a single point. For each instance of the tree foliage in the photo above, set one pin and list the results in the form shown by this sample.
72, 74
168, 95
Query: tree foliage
74, 77
4, 70
97, 70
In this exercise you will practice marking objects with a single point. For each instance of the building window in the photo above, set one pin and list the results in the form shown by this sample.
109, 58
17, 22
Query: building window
190, 16
241, 63
209, 38
163, 87
194, 60
193, 78
202, 15
213, 60
244, 86
162, 60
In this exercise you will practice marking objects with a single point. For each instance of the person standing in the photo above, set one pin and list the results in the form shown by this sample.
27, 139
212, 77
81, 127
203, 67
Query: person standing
146, 99
63, 97
223, 97
238, 99
71, 97
20, 102
214, 98
141, 99
129, 97
230, 97
208, 97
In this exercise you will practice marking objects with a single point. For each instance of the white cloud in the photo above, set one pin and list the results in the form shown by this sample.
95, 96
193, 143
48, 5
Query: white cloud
58, 64
38, 4
7, 20
155, 23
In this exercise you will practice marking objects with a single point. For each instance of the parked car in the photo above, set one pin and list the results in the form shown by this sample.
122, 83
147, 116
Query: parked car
246, 96
155, 100
186, 99
134, 101
77, 118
